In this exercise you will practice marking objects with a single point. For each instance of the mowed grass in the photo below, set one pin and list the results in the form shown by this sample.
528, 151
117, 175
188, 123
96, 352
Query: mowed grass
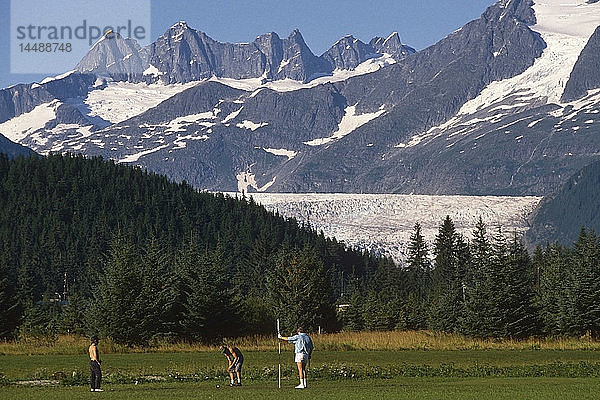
27, 367
417, 388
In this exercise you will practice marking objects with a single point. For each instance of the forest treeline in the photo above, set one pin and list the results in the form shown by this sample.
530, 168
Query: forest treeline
89, 246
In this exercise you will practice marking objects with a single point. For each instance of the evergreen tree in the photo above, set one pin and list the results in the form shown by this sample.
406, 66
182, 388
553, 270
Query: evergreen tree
518, 299
155, 272
554, 270
300, 291
480, 284
209, 312
353, 315
120, 307
583, 291
10, 307
74, 316
447, 296
417, 264
249, 292
378, 315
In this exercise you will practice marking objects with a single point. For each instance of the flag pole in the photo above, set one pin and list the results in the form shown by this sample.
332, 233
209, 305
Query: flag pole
279, 356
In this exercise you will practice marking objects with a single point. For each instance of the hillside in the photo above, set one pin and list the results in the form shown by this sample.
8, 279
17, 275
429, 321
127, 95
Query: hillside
13, 149
560, 217
66, 223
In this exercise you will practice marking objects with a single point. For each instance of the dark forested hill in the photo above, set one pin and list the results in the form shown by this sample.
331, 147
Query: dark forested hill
80, 226
560, 217
13, 149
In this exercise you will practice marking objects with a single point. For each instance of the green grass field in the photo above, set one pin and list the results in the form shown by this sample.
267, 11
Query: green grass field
410, 374
395, 365
404, 388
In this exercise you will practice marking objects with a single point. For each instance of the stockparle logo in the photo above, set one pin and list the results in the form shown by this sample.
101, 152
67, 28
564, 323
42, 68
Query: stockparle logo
53, 36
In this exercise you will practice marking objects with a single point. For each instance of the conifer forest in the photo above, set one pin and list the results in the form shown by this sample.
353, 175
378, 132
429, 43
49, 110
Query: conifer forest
88, 246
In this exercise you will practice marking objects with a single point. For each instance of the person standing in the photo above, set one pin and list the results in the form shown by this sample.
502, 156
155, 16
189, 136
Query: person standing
95, 371
235, 360
303, 347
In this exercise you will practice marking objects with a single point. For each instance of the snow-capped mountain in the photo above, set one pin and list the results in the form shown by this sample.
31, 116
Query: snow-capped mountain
508, 104
183, 54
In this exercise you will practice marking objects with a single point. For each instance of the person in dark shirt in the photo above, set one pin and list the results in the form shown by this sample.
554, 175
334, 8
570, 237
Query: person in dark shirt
235, 359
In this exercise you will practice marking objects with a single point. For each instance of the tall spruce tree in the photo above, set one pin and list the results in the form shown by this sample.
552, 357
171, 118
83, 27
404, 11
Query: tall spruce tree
518, 277
417, 264
584, 289
352, 316
10, 307
447, 300
554, 266
209, 312
479, 285
120, 309
300, 290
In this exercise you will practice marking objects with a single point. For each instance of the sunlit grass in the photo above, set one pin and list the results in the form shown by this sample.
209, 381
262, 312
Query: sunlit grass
343, 341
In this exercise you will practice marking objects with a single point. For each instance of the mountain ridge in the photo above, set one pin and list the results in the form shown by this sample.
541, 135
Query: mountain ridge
183, 54
479, 112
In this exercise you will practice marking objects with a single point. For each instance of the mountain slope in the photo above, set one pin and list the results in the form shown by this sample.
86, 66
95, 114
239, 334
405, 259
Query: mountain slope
560, 217
12, 149
586, 72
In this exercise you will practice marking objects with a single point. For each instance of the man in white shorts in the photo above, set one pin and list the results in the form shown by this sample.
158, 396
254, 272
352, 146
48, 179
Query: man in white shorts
303, 347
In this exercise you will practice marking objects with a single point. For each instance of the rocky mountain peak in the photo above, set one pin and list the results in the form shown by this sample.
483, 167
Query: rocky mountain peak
391, 45
521, 10
348, 52
113, 55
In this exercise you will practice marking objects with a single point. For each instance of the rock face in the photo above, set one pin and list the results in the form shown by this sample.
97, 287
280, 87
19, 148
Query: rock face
23, 98
349, 52
586, 73
560, 217
115, 56
392, 46
183, 54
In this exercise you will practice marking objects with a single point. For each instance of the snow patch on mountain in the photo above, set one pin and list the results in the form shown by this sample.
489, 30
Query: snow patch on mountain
232, 115
289, 85
119, 101
61, 137
248, 179
281, 152
134, 157
576, 18
153, 71
179, 124
246, 124
350, 121
20, 127
383, 223
57, 77
180, 142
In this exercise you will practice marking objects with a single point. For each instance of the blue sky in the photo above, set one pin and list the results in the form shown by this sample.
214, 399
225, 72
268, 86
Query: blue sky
420, 23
